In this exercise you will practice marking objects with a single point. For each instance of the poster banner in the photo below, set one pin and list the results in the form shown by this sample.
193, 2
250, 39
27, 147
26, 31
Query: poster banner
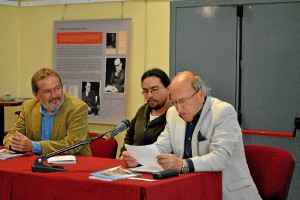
92, 58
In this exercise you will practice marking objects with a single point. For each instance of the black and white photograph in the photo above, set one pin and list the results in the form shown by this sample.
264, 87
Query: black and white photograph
90, 95
115, 75
111, 40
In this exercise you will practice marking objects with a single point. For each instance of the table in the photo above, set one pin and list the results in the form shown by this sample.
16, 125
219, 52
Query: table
16, 102
19, 182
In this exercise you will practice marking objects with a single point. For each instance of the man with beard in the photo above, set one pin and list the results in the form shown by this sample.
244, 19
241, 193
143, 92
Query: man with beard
150, 119
51, 121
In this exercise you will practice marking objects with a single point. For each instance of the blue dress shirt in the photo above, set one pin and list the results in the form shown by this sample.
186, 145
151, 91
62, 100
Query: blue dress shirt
47, 121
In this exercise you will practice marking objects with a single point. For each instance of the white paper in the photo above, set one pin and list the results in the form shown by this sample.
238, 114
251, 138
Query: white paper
142, 179
146, 156
67, 159
7, 154
145, 168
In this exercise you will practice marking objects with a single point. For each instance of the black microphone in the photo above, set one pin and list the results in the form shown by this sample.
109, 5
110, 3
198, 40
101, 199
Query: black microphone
123, 125
38, 165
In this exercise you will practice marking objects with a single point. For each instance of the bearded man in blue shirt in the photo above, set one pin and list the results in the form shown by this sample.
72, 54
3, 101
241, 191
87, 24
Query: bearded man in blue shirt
51, 121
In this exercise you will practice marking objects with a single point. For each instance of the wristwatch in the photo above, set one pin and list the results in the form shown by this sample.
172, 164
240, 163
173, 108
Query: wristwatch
185, 167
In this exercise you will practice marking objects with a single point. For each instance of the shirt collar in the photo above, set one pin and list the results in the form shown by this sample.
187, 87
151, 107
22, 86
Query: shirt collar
197, 116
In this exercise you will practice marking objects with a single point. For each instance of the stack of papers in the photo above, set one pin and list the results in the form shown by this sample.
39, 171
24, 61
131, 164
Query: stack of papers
112, 174
7, 154
68, 159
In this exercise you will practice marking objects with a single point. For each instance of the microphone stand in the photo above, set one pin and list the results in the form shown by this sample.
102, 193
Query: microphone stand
38, 165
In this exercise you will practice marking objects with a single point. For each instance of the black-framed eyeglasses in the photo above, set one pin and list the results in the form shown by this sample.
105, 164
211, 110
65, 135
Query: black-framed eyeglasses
183, 101
153, 90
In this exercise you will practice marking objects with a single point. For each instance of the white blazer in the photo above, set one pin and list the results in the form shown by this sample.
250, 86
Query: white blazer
223, 149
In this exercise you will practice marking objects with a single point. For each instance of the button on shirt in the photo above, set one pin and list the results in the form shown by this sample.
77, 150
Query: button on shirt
47, 122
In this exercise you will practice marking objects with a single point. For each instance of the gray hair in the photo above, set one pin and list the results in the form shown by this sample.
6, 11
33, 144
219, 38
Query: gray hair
198, 84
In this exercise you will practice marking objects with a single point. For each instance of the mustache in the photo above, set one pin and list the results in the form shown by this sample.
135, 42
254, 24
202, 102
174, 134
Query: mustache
54, 99
151, 99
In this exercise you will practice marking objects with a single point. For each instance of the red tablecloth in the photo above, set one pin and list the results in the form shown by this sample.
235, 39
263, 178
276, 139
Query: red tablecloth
19, 182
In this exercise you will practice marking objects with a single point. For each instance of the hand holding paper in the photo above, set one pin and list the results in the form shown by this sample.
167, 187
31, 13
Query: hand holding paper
146, 156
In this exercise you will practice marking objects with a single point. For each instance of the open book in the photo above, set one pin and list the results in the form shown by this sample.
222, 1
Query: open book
7, 154
112, 174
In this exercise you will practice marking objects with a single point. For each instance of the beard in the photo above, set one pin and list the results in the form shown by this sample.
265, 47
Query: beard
53, 108
158, 105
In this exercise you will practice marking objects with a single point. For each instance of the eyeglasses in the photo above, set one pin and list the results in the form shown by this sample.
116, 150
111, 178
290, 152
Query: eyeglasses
48, 92
183, 101
153, 90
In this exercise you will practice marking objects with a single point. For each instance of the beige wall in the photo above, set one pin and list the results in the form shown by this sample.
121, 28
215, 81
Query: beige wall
26, 39
9, 56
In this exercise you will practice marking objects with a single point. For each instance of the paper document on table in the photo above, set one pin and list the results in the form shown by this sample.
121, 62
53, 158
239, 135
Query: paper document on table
65, 159
7, 154
146, 156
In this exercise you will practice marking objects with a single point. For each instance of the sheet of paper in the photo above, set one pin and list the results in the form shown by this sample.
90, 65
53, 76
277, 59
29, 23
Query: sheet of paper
145, 155
142, 179
7, 154
66, 159
145, 168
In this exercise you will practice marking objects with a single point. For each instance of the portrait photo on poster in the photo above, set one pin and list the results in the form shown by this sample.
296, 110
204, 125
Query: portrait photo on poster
115, 75
91, 96
111, 43
111, 39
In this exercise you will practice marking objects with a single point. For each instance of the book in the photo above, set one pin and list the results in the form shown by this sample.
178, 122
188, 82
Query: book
7, 154
114, 173
67, 159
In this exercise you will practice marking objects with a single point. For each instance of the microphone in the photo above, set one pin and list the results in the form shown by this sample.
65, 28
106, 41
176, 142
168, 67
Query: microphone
123, 125
38, 165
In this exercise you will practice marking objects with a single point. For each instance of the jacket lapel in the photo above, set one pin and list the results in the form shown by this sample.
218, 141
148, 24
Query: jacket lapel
36, 117
179, 135
57, 122
204, 112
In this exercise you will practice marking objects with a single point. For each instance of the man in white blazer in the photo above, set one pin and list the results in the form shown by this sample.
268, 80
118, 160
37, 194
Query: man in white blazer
203, 134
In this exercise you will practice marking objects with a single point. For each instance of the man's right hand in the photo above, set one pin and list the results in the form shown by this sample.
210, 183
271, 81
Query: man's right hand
129, 160
20, 142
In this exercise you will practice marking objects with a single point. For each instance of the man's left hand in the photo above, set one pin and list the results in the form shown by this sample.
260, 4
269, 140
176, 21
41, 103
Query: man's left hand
169, 162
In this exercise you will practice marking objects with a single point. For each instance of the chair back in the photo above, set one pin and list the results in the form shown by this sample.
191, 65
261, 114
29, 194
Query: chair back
271, 169
103, 148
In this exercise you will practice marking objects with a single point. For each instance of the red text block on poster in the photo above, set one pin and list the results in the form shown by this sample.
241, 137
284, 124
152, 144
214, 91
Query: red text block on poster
79, 38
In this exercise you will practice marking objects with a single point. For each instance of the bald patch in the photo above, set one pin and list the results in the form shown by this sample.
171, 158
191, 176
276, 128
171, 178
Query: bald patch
182, 79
